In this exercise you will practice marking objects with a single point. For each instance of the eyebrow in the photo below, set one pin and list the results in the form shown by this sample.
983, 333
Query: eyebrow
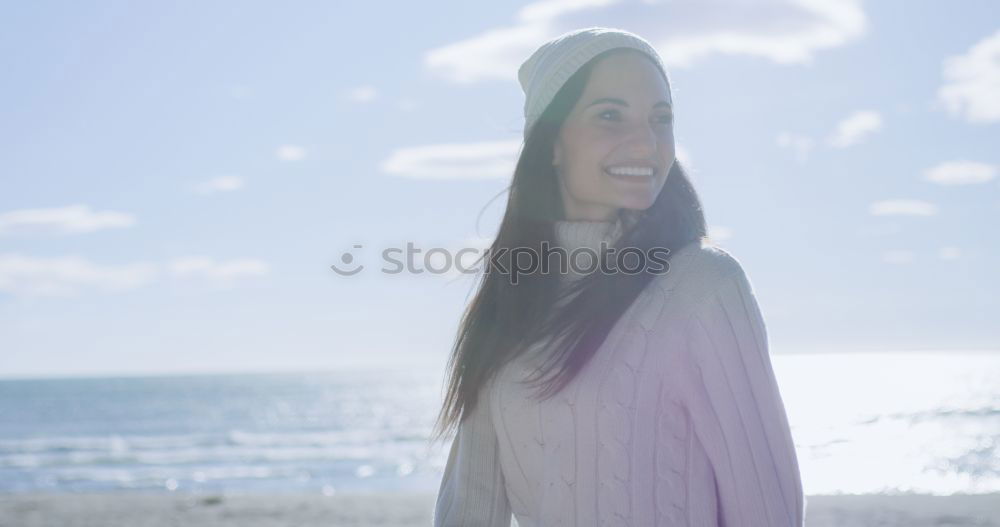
621, 102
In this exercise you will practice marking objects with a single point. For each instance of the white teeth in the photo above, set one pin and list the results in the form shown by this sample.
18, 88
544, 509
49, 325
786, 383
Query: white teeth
630, 171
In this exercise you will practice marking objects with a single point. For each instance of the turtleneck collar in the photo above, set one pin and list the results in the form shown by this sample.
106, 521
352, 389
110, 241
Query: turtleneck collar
574, 234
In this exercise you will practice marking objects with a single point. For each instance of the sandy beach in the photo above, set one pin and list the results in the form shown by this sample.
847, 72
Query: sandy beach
406, 510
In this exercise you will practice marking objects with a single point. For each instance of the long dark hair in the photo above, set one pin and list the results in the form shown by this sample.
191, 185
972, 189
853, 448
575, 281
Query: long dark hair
504, 318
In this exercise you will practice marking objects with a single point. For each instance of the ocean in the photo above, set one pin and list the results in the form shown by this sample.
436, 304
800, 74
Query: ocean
862, 423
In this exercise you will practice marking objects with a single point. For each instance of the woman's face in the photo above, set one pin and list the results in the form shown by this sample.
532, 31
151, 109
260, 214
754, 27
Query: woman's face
617, 144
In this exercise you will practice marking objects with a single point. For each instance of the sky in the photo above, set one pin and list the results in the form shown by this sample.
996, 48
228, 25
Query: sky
178, 177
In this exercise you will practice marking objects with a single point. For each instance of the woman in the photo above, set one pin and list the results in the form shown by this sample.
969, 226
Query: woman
612, 398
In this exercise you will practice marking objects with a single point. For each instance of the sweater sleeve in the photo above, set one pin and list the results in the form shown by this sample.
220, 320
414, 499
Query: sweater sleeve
737, 411
472, 491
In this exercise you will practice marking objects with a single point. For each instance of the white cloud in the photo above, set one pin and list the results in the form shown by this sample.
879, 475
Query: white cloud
960, 173
896, 207
205, 267
897, 257
219, 184
972, 82
495, 54
290, 153
783, 31
719, 233
362, 94
72, 219
71, 275
683, 156
801, 145
482, 160
65, 276
849, 131
855, 127
949, 253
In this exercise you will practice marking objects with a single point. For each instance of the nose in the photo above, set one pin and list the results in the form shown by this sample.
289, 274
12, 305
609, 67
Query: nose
642, 140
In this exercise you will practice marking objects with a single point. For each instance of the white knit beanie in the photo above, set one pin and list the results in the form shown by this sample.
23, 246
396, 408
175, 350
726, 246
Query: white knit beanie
554, 62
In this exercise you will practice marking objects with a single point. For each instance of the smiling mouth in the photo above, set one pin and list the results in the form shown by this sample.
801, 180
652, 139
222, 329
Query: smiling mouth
632, 174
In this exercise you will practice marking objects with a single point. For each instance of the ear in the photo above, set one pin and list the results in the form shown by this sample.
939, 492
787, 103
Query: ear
557, 154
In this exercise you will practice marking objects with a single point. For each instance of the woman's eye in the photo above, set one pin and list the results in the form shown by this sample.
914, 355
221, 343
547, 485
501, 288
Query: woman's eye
609, 112
615, 115
665, 119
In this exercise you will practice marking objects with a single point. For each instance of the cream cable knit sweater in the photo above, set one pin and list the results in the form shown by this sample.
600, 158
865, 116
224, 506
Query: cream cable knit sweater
676, 421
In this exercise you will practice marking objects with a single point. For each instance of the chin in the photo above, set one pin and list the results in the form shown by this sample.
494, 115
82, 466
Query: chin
638, 204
